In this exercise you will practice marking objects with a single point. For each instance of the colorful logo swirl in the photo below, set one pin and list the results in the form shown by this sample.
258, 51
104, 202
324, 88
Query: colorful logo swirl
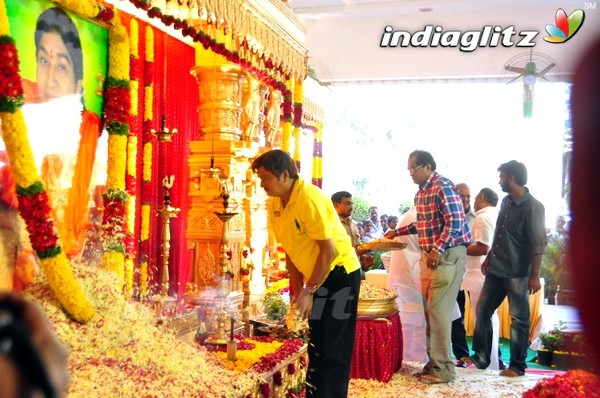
565, 27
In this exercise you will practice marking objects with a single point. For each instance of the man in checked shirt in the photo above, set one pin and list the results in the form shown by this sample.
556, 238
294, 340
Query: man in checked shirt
443, 236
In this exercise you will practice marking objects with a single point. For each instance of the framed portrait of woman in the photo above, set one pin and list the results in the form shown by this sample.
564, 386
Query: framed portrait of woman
63, 65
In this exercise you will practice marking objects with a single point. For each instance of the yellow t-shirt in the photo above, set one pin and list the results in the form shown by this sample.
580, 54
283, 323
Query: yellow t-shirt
310, 216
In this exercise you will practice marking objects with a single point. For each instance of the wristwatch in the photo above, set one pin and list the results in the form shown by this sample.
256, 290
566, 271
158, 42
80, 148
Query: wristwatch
312, 289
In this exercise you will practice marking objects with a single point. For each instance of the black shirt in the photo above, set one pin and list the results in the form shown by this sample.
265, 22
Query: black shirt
520, 234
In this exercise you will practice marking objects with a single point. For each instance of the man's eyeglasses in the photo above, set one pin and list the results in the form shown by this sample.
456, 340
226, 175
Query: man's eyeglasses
415, 168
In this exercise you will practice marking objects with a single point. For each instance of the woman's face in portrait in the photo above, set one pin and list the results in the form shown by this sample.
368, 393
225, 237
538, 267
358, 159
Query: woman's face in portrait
55, 74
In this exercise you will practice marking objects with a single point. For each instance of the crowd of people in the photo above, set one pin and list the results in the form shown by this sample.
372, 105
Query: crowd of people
458, 249
324, 266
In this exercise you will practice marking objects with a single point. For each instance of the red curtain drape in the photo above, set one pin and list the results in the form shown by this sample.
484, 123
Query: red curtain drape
178, 101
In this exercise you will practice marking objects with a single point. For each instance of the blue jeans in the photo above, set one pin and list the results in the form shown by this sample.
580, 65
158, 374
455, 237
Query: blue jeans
494, 291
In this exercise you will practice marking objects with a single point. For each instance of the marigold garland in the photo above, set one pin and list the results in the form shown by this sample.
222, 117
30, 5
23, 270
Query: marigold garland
146, 161
135, 98
4, 26
21, 159
87, 9
132, 142
131, 215
286, 128
145, 222
117, 106
33, 200
297, 133
317, 166
148, 70
117, 152
143, 279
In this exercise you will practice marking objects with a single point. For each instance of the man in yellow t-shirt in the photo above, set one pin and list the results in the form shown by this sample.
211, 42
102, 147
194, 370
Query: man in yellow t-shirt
322, 263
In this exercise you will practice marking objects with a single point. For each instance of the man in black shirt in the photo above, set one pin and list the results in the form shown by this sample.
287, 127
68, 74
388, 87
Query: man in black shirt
511, 268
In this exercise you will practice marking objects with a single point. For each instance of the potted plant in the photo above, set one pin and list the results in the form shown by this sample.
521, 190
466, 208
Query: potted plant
274, 306
550, 341
571, 355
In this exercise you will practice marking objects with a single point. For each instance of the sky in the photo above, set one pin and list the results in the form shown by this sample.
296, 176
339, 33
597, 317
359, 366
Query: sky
470, 129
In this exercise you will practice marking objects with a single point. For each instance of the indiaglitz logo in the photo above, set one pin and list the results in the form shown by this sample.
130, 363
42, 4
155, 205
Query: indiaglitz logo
467, 41
565, 27
487, 36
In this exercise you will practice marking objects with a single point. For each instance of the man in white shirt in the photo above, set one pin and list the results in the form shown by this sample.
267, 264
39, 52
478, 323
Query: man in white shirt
483, 234
459, 334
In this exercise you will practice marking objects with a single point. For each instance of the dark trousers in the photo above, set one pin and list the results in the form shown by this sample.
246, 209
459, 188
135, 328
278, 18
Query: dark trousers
332, 325
493, 293
460, 348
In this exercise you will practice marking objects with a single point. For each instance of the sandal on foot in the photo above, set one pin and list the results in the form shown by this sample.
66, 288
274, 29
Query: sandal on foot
430, 379
510, 373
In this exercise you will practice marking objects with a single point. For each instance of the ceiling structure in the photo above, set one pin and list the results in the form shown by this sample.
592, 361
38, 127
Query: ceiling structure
344, 36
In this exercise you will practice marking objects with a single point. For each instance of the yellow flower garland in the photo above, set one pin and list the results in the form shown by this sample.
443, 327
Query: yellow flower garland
87, 9
147, 162
115, 261
133, 52
4, 26
148, 90
149, 44
132, 156
146, 158
67, 289
135, 98
128, 277
118, 61
131, 215
118, 52
145, 222
117, 150
22, 162
134, 38
317, 166
286, 129
143, 280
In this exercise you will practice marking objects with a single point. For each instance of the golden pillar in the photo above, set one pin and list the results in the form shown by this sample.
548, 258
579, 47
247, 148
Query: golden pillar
221, 93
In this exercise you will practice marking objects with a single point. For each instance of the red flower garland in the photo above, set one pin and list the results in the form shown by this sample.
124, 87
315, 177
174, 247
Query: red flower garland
113, 218
11, 88
269, 361
117, 104
35, 211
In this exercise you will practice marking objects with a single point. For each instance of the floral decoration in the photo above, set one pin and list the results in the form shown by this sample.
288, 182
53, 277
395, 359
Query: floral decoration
249, 63
132, 148
33, 200
286, 127
297, 122
317, 166
572, 384
149, 142
247, 264
117, 108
